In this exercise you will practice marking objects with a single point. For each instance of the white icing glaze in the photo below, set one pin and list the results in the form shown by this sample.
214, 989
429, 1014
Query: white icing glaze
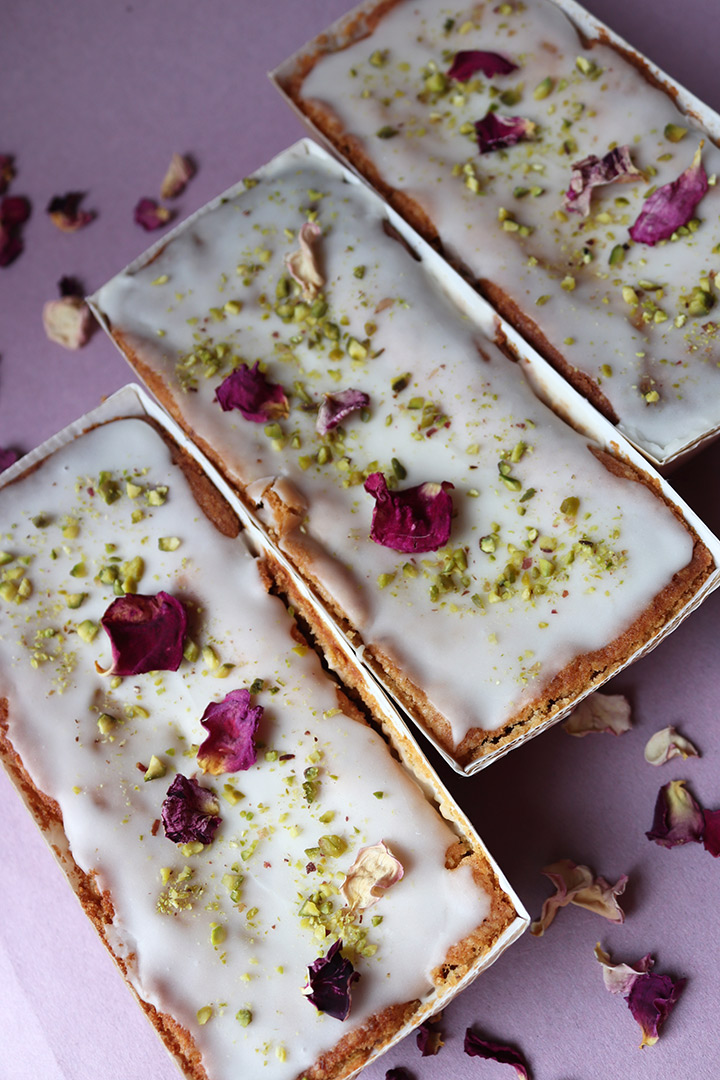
109, 810
477, 664
618, 107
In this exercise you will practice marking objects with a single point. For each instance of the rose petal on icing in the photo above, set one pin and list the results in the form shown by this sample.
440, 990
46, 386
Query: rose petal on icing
64, 211
495, 132
678, 819
190, 812
329, 980
146, 633
429, 1039
303, 264
7, 458
151, 215
575, 884
231, 725
7, 171
468, 61
247, 390
374, 870
335, 407
477, 1047
649, 997
593, 171
666, 744
68, 322
711, 832
180, 171
416, 519
599, 712
672, 205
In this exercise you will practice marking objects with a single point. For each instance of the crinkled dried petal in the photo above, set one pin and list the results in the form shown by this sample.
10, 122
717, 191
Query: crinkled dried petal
414, 520
7, 171
374, 870
247, 390
711, 832
335, 407
469, 61
11, 245
303, 264
593, 171
576, 884
599, 712
231, 725
620, 978
672, 205
477, 1047
151, 215
650, 997
68, 322
14, 211
65, 212
429, 1039
667, 744
398, 1073
678, 819
329, 980
180, 171
495, 132
70, 286
7, 458
146, 633
190, 812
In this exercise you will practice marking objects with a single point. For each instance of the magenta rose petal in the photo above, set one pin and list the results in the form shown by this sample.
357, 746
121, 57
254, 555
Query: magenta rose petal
711, 832
398, 1073
672, 205
599, 712
64, 212
180, 171
146, 633
231, 725
151, 215
329, 980
667, 744
304, 265
677, 819
620, 978
335, 407
576, 884
247, 390
190, 813
469, 61
414, 520
14, 212
429, 1040
7, 171
593, 171
650, 997
7, 458
505, 1055
495, 132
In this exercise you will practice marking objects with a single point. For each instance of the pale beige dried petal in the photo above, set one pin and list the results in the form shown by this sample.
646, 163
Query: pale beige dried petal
303, 264
600, 712
575, 884
667, 744
180, 171
374, 870
68, 321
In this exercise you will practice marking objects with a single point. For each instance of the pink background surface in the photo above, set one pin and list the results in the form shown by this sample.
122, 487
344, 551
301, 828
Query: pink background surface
96, 97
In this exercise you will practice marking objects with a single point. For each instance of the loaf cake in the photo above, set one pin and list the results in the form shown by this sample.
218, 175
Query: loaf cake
489, 565
233, 824
557, 174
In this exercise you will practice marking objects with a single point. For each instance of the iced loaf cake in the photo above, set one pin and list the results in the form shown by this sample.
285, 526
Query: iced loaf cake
492, 565
557, 175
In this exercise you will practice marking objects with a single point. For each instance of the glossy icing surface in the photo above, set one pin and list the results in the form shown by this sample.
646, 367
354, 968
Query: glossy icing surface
655, 357
233, 933
549, 554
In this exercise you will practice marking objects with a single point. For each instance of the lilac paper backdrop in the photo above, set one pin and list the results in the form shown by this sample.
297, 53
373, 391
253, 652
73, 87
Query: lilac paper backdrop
96, 97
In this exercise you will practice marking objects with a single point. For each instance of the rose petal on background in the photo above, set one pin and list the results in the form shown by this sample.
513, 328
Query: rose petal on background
576, 884
711, 832
70, 286
414, 520
495, 132
7, 171
374, 870
477, 1047
247, 390
599, 712
429, 1039
180, 171
303, 265
231, 725
151, 215
68, 322
64, 212
593, 171
468, 61
620, 978
650, 997
329, 980
14, 212
677, 819
146, 633
666, 744
335, 407
190, 813
672, 205
398, 1073
7, 458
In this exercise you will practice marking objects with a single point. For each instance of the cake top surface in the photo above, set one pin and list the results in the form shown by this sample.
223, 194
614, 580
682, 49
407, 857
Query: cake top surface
549, 555
220, 936
635, 315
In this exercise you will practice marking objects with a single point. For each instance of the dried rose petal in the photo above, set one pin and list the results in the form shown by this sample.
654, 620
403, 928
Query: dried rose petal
599, 712
711, 832
7, 171
303, 264
667, 744
468, 61
398, 1073
620, 978
374, 870
68, 322
65, 212
329, 980
70, 286
151, 215
672, 205
678, 819
190, 812
146, 633
180, 171
414, 520
248, 390
593, 171
429, 1039
14, 212
496, 132
335, 407
477, 1047
7, 458
578, 885
650, 997
231, 726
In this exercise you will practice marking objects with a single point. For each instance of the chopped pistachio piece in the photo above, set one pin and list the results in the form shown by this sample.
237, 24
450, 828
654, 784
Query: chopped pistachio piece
169, 543
156, 769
